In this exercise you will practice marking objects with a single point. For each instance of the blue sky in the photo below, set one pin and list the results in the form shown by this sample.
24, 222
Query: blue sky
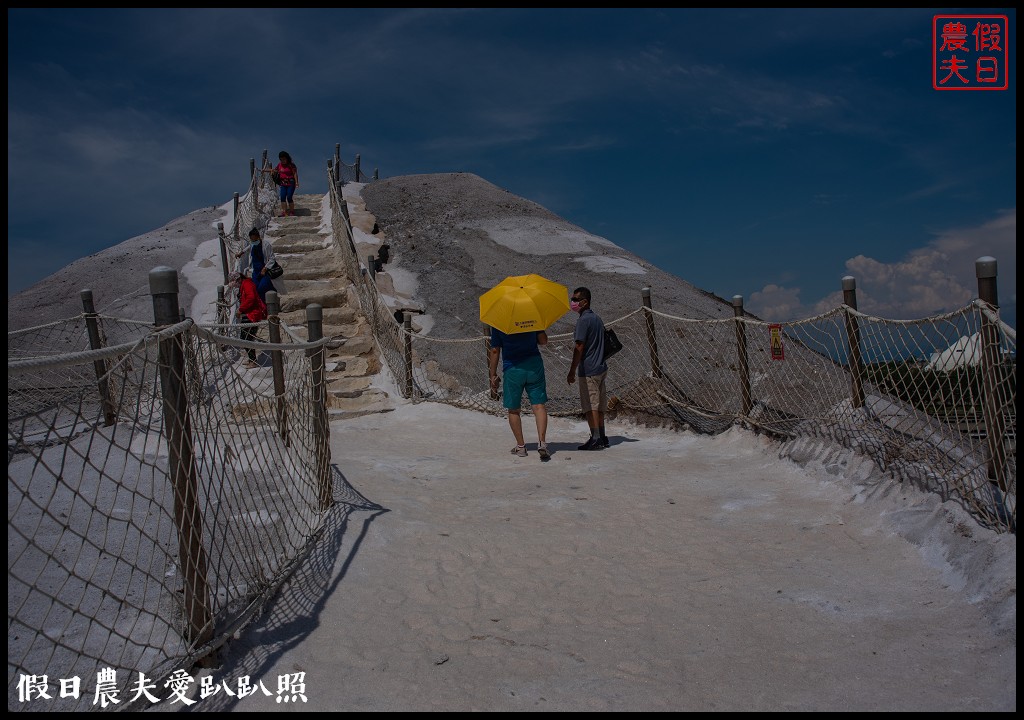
759, 152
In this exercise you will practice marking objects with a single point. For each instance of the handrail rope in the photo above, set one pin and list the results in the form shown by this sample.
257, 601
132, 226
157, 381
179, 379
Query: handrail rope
204, 332
22, 331
931, 318
124, 321
82, 356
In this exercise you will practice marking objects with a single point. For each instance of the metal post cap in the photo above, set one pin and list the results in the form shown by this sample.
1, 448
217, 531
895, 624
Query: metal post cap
985, 267
163, 280
737, 301
849, 282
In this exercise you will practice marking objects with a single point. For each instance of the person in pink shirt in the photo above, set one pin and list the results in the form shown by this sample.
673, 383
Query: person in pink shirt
288, 176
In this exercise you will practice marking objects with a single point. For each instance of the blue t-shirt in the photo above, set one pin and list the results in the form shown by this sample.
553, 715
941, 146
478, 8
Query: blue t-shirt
590, 331
515, 347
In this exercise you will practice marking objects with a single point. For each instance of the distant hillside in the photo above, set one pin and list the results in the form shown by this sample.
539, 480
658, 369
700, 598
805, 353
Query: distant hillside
456, 232
118, 276
460, 235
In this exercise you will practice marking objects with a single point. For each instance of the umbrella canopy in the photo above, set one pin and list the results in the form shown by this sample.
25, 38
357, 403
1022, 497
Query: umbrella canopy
523, 303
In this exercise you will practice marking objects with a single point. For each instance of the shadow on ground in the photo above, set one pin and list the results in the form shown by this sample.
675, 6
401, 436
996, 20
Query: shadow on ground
295, 611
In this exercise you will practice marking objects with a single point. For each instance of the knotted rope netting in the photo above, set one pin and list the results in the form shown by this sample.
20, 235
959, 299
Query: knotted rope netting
158, 491
890, 389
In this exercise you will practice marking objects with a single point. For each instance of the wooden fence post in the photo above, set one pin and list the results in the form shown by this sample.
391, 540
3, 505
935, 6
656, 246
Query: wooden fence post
223, 251
321, 430
100, 366
652, 340
407, 329
853, 340
277, 361
991, 372
741, 349
163, 286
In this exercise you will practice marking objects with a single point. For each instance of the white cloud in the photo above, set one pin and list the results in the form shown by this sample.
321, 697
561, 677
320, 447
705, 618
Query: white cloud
934, 279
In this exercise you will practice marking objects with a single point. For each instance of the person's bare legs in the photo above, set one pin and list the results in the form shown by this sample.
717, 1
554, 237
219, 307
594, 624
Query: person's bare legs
540, 414
515, 421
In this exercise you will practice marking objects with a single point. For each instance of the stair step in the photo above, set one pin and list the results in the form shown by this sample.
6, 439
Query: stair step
315, 273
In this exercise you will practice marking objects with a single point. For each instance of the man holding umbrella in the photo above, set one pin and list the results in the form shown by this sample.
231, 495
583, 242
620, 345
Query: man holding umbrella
519, 309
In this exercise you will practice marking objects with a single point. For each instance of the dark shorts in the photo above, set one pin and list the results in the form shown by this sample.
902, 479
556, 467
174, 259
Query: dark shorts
529, 376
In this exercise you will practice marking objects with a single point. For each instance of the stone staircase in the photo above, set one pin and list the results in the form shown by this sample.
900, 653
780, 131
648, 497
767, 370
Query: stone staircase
313, 274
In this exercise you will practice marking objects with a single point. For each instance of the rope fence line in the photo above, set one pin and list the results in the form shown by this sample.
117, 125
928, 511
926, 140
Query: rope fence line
155, 503
894, 390
159, 492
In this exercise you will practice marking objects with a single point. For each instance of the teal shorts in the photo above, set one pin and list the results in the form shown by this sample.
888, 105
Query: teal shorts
529, 376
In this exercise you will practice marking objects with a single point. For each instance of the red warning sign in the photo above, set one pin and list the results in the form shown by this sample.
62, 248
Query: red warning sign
776, 342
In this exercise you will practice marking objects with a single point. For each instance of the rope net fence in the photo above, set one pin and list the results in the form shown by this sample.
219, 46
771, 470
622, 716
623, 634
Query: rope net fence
255, 209
154, 505
160, 490
930, 401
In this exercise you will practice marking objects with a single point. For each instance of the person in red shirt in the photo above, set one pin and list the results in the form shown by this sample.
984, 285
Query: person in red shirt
251, 309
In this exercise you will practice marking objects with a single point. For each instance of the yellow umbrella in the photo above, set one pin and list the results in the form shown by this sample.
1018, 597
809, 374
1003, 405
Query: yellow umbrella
523, 303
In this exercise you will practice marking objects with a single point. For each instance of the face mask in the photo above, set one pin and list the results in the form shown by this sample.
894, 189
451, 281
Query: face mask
574, 306
254, 242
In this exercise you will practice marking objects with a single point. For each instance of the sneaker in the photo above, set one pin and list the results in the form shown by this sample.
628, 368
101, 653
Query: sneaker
591, 444
519, 450
542, 450
605, 443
